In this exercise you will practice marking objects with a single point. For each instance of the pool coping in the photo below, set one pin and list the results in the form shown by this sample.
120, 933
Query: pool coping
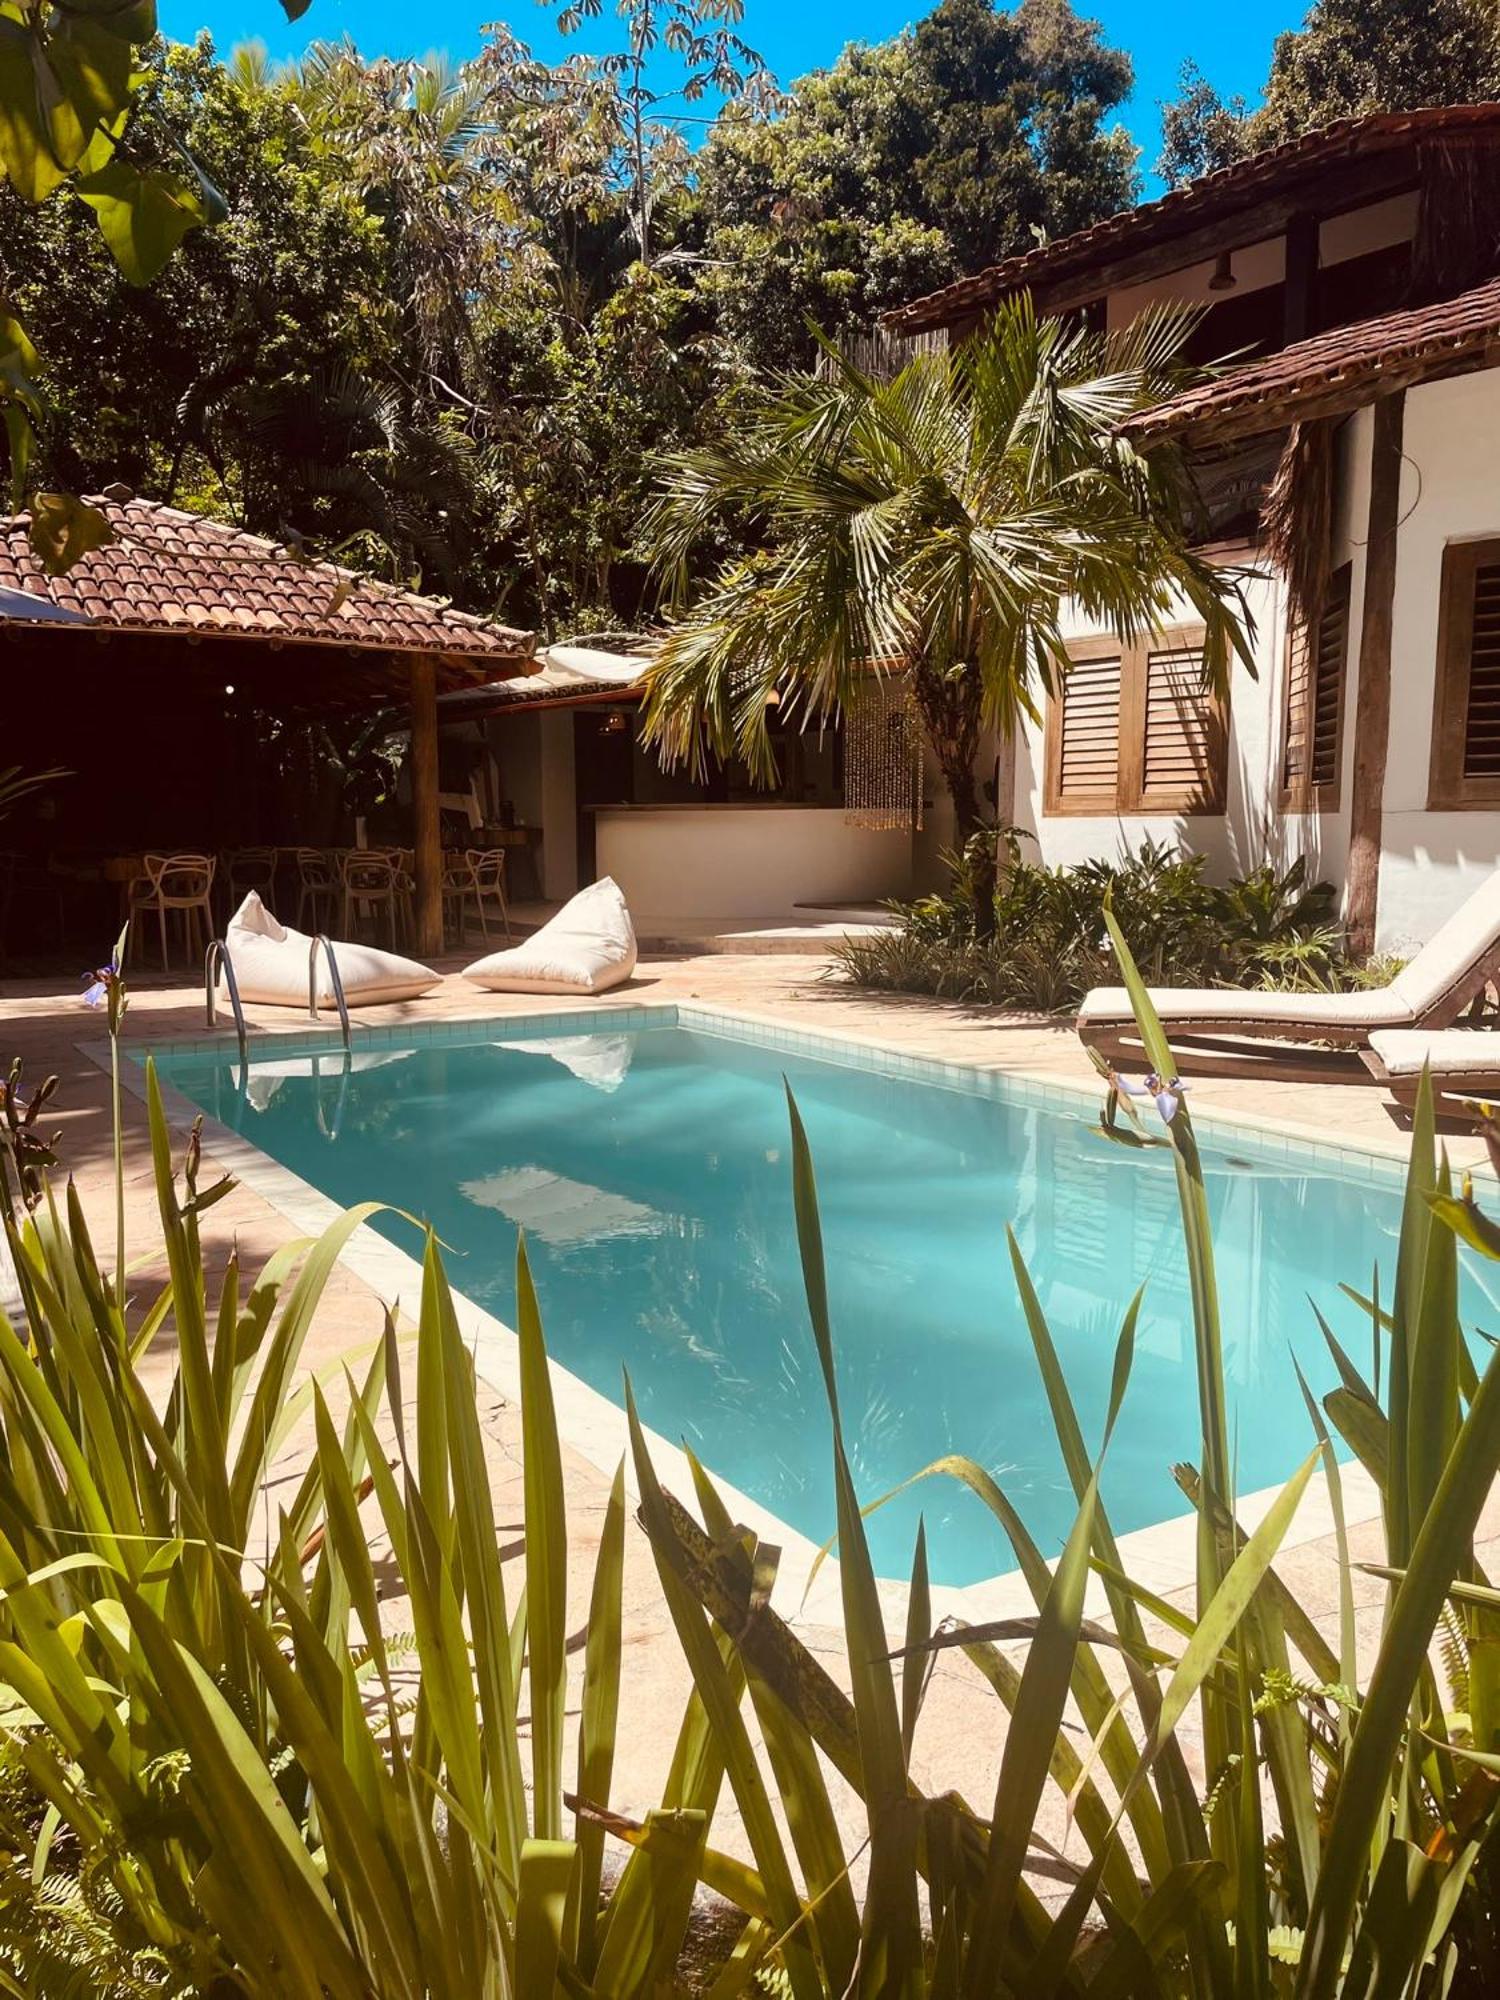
1161, 1557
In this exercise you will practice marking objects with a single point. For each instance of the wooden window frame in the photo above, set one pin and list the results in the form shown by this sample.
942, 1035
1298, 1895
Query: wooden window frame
1130, 795
1082, 805
1448, 790
1304, 796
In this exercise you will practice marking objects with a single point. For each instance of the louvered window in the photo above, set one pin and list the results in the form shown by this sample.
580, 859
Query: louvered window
1136, 730
1316, 671
1182, 768
1466, 719
1088, 733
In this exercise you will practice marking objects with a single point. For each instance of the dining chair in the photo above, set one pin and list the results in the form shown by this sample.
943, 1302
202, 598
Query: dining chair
487, 866
458, 887
317, 887
249, 868
370, 882
177, 882
477, 875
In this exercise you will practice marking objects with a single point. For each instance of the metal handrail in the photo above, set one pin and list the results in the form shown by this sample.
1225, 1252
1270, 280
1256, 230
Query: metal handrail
338, 985
215, 960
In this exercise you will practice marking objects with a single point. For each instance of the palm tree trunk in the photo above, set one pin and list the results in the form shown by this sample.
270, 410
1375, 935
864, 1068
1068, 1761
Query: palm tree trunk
950, 710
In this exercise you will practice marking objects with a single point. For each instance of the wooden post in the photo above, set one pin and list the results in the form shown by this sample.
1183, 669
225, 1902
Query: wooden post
427, 837
1372, 712
1300, 287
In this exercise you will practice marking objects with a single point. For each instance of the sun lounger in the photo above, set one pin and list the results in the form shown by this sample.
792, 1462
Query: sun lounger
1235, 1031
1465, 1062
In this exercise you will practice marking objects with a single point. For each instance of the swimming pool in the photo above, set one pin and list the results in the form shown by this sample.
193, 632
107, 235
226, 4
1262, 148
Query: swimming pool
647, 1160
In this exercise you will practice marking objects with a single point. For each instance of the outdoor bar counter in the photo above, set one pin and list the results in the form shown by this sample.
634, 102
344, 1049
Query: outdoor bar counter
751, 862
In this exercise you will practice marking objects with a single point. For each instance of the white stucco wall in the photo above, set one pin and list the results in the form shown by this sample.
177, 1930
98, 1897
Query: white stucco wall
1251, 829
1256, 265
742, 863
1450, 491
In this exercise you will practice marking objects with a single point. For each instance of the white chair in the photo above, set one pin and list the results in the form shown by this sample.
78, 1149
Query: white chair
183, 883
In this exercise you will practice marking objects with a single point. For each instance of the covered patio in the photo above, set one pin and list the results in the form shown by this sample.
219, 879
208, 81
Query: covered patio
175, 675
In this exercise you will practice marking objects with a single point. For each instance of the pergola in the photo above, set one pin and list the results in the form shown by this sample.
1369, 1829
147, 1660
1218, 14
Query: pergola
179, 611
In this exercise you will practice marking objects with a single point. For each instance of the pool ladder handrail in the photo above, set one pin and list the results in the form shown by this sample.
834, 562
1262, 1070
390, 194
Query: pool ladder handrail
216, 960
338, 985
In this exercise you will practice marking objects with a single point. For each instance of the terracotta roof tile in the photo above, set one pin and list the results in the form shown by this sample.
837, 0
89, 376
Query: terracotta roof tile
1397, 348
169, 570
1231, 188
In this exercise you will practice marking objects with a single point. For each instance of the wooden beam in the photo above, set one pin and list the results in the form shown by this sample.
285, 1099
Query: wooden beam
427, 836
1339, 191
1301, 277
1372, 711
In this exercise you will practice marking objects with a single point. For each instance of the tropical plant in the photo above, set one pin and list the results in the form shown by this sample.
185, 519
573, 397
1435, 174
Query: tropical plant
940, 521
237, 1764
1049, 941
714, 60
1333, 1849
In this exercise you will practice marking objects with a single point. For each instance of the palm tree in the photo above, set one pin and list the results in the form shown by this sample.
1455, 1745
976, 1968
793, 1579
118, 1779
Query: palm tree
942, 519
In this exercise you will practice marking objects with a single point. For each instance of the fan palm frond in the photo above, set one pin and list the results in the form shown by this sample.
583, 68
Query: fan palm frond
946, 517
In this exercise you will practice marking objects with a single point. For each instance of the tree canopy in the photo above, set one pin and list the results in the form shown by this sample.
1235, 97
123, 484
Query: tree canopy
424, 332
1349, 57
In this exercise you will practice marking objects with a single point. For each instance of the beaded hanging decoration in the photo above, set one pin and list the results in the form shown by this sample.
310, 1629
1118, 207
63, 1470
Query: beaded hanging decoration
883, 756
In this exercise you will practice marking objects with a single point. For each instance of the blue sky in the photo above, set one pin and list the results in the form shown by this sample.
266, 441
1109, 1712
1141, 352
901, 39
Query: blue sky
793, 35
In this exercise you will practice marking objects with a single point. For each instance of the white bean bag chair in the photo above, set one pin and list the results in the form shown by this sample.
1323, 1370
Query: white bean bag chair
586, 948
271, 965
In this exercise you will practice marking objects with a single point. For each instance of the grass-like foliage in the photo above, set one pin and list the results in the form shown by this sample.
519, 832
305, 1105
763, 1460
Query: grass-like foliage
1049, 942
222, 1775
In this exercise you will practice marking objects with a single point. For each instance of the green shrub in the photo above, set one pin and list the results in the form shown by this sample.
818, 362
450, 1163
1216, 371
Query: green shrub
1049, 943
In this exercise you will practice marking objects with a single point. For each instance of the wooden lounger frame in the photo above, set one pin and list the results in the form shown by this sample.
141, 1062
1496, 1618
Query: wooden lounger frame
1289, 1050
1449, 1087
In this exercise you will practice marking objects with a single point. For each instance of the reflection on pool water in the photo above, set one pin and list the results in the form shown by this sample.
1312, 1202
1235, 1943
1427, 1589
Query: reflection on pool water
650, 1171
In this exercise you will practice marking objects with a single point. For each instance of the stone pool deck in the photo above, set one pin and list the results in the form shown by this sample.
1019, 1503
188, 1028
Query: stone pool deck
961, 1731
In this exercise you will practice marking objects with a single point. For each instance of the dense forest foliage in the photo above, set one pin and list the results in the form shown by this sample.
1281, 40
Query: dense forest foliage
454, 313
1349, 57
429, 334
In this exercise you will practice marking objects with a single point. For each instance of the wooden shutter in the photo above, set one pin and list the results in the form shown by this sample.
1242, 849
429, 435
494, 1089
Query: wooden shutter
1466, 719
1179, 733
1083, 738
1316, 671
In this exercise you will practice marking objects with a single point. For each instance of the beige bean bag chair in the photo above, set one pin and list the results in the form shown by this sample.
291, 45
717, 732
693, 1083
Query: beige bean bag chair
271, 963
588, 947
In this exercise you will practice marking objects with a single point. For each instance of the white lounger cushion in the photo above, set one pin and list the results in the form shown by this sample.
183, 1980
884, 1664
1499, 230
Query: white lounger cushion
271, 965
1450, 1051
1468, 939
587, 947
1375, 1007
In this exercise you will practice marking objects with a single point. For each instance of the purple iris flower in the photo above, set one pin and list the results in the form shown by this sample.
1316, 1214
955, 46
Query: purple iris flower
97, 994
1166, 1096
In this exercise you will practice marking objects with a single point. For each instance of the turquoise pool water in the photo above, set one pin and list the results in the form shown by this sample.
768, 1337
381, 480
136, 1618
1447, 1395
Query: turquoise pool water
650, 1171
